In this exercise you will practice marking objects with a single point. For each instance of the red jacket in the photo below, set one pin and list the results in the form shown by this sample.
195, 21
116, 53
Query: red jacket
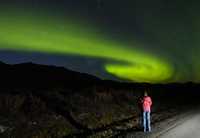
147, 102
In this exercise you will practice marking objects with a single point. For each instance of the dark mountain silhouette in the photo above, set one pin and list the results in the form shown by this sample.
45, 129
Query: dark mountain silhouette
35, 75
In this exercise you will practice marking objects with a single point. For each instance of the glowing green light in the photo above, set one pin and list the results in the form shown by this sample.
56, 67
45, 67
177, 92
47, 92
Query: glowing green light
28, 32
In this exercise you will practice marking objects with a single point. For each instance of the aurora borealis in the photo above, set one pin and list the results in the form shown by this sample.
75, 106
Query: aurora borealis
157, 57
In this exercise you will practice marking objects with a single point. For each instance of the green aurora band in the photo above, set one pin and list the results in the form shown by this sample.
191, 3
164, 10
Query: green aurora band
29, 32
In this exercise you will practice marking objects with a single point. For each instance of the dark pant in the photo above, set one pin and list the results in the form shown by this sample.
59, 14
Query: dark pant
146, 121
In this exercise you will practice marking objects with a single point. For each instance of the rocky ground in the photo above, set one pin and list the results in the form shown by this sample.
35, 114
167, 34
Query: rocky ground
95, 112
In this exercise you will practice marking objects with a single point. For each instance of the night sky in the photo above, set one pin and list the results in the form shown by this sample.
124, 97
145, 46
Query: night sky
153, 41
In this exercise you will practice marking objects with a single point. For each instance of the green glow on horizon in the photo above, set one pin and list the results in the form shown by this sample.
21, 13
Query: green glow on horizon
58, 35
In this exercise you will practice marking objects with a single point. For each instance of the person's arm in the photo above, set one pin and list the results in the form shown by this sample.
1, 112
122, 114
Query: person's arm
150, 101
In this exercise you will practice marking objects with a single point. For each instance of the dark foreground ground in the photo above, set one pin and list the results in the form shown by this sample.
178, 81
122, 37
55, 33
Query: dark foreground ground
39, 101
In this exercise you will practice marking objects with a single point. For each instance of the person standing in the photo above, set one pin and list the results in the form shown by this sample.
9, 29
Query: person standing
146, 102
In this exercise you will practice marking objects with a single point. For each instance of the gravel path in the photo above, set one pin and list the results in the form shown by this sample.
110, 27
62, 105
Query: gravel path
185, 124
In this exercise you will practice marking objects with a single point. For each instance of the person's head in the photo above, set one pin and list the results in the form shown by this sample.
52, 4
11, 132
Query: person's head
145, 93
